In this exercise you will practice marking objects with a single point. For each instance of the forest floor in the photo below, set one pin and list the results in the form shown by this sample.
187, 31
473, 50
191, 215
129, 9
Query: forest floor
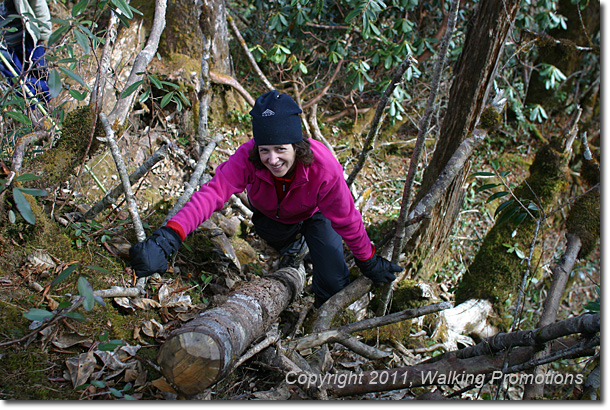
111, 352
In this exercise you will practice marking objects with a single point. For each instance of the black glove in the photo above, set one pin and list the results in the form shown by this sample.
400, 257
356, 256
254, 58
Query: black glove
378, 269
150, 256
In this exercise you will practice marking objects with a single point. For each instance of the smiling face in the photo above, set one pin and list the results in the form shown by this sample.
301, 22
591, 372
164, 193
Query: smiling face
279, 159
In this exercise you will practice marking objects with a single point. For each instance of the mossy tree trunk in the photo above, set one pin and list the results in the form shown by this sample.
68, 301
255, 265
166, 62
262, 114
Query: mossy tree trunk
474, 74
190, 25
495, 274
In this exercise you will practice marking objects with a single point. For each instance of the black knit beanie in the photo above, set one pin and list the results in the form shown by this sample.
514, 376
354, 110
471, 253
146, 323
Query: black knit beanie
275, 120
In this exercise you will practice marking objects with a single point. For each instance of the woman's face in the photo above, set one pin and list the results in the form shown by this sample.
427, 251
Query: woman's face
279, 159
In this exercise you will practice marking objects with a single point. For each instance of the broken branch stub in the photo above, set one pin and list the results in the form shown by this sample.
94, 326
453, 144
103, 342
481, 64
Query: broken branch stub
204, 350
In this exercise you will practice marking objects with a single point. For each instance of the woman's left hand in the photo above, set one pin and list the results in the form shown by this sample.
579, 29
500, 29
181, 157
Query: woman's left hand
378, 269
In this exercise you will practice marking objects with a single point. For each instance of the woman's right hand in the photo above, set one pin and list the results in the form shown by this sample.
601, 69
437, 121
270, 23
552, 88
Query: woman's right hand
150, 256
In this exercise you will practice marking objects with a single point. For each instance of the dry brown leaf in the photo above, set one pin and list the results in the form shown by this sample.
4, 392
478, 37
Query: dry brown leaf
124, 303
65, 340
80, 368
145, 303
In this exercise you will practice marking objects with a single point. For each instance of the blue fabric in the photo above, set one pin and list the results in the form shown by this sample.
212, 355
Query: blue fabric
330, 272
33, 72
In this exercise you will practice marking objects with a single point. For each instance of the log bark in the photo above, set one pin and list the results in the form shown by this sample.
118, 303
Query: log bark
205, 350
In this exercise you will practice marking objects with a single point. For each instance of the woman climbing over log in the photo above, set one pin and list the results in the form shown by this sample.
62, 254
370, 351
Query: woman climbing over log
300, 199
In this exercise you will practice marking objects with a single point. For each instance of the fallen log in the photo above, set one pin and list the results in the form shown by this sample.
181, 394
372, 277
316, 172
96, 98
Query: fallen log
206, 349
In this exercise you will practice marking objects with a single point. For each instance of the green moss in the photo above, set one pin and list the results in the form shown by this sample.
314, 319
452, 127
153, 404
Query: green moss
406, 296
22, 379
495, 274
490, 119
584, 221
58, 163
387, 334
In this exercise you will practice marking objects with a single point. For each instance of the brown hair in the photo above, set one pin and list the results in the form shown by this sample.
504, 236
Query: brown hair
303, 151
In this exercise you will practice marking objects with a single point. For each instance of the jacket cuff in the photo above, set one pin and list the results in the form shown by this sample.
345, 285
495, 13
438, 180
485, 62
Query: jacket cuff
178, 228
372, 254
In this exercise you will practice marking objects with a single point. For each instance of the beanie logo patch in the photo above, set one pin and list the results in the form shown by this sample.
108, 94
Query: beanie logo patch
268, 113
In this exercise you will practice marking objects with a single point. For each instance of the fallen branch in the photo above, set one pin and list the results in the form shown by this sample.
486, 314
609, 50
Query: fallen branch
204, 350
561, 273
454, 165
588, 323
450, 371
122, 170
18, 155
194, 182
429, 201
271, 338
326, 336
111, 197
119, 292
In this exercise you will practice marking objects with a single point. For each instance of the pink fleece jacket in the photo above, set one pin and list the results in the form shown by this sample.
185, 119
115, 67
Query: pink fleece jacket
321, 186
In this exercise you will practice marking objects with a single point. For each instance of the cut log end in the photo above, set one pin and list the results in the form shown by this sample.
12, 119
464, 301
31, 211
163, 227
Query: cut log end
192, 361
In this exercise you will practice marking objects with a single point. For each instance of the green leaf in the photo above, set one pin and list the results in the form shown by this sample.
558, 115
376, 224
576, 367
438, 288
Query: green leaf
59, 32
155, 81
110, 345
55, 85
104, 336
83, 40
497, 195
502, 206
519, 253
64, 274
98, 383
12, 217
27, 177
85, 290
76, 316
506, 216
77, 95
37, 314
486, 187
79, 7
483, 174
97, 268
129, 397
74, 76
64, 304
167, 99
115, 392
123, 7
23, 206
19, 117
34, 192
133, 87
144, 96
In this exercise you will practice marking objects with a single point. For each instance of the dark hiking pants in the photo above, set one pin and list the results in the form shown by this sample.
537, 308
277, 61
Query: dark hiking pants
330, 273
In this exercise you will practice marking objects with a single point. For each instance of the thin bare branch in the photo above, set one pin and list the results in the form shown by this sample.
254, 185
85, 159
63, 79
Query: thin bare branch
123, 105
249, 55
122, 170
